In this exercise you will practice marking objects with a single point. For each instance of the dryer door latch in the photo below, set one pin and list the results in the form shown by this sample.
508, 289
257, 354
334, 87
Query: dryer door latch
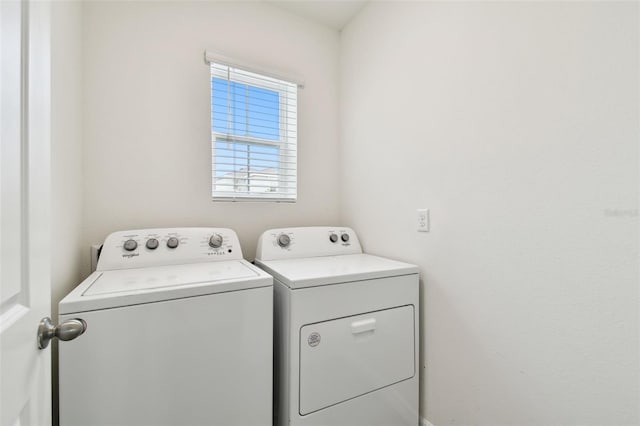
363, 326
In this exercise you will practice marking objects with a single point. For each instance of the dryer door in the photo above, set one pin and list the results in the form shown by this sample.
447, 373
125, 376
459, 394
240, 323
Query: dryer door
347, 357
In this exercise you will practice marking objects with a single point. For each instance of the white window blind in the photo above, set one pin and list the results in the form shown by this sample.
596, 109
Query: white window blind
253, 136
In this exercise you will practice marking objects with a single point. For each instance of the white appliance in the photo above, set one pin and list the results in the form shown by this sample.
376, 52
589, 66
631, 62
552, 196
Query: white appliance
345, 329
178, 332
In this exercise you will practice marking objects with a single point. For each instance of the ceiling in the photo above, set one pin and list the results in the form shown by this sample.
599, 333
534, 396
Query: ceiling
332, 13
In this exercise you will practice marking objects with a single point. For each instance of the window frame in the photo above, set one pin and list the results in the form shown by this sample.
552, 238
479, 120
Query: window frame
287, 146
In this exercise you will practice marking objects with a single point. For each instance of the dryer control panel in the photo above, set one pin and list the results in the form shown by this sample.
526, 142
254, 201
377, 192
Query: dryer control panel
312, 241
142, 248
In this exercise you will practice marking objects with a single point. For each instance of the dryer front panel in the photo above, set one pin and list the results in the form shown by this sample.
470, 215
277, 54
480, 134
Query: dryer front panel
344, 358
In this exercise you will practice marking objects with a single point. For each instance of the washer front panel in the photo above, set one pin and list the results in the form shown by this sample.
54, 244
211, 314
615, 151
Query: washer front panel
198, 361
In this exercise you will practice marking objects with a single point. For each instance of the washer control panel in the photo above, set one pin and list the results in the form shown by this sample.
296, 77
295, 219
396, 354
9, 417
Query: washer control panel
143, 248
292, 243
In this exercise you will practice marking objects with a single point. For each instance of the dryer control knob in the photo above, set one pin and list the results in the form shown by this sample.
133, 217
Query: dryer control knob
215, 240
333, 238
344, 237
283, 240
173, 242
130, 245
152, 243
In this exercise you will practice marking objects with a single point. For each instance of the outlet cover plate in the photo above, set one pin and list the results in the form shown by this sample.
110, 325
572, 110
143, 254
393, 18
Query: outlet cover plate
422, 224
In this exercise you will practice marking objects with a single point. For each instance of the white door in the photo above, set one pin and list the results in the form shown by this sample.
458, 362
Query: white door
25, 380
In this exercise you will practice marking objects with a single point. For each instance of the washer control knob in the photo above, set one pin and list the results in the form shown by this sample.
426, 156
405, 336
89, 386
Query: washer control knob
283, 240
152, 244
173, 242
215, 240
344, 237
130, 245
333, 238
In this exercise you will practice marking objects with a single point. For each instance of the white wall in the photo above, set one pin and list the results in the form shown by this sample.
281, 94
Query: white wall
147, 124
517, 124
66, 157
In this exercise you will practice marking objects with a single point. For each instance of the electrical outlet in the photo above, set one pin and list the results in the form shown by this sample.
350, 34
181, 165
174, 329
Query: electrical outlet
423, 220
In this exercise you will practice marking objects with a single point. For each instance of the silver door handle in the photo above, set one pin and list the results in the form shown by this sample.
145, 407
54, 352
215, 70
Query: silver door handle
68, 330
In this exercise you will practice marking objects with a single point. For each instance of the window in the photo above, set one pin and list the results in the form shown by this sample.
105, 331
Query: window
253, 136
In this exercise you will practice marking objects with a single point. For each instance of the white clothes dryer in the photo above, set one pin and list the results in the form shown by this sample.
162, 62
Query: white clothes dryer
345, 329
178, 332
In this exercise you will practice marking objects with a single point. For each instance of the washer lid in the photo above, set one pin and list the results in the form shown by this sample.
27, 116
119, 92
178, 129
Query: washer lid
109, 289
315, 271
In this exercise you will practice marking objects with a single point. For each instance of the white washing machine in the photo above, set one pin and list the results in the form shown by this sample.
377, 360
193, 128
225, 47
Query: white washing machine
345, 330
178, 332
